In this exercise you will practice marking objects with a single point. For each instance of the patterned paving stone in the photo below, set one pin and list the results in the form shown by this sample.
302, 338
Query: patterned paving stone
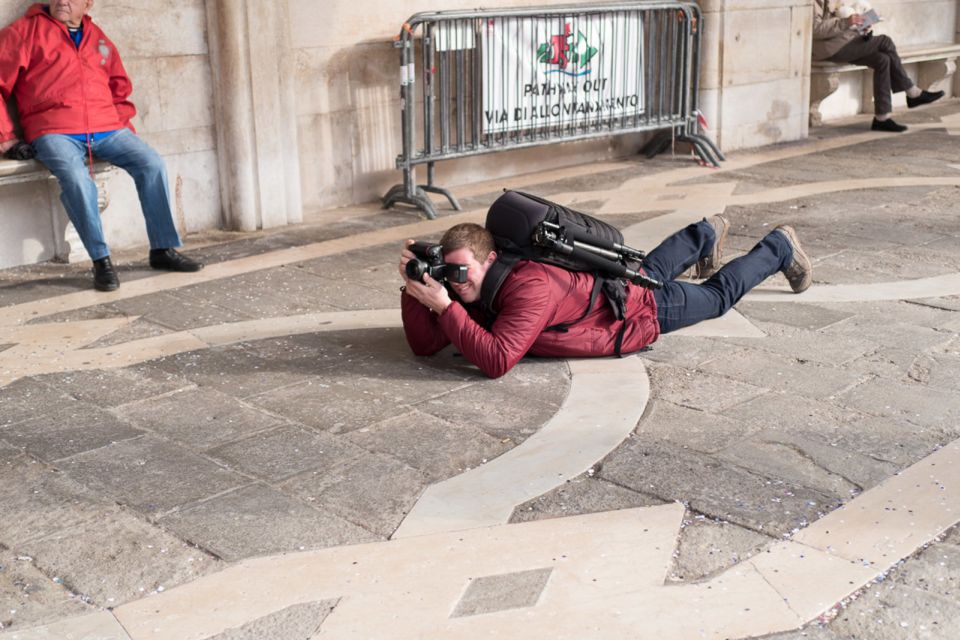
714, 488
139, 329
285, 451
693, 428
67, 432
150, 474
280, 291
331, 405
785, 374
112, 387
814, 347
177, 313
706, 548
584, 494
779, 460
438, 448
684, 351
234, 370
258, 520
698, 389
825, 451
28, 398
914, 403
37, 500
885, 439
8, 453
488, 594
802, 316
889, 611
296, 621
199, 418
373, 490
488, 405
31, 598
131, 560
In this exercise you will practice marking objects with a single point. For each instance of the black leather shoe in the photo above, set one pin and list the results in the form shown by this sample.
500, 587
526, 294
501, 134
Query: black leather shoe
888, 125
925, 97
170, 260
104, 277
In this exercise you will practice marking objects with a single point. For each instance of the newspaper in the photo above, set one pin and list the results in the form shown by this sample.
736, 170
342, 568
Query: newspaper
870, 18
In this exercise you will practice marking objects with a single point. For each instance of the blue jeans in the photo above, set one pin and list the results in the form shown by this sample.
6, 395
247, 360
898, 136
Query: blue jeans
67, 160
681, 304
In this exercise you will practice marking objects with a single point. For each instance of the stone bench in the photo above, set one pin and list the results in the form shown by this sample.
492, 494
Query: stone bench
937, 62
20, 171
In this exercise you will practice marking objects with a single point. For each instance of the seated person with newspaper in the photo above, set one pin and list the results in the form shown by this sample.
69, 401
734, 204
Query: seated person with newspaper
843, 32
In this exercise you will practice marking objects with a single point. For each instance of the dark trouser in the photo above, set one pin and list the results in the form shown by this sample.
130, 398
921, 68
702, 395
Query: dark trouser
681, 304
880, 54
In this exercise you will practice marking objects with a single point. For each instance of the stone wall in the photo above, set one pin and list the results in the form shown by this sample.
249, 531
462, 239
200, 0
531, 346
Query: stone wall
755, 77
755, 91
348, 77
164, 48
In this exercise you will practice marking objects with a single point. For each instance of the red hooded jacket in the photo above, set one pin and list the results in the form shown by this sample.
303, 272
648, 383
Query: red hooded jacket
59, 88
534, 296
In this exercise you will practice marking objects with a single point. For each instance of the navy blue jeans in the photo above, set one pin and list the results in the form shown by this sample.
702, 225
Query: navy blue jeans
67, 160
681, 304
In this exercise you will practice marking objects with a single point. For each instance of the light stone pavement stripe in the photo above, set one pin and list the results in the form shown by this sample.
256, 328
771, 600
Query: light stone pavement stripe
592, 422
932, 287
606, 575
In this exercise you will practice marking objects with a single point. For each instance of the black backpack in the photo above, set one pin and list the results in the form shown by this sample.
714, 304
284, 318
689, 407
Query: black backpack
526, 227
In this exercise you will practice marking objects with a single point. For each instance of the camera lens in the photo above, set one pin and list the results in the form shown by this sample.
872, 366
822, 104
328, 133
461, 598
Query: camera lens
416, 268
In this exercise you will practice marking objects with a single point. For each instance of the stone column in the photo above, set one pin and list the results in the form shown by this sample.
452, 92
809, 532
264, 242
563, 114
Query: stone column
256, 120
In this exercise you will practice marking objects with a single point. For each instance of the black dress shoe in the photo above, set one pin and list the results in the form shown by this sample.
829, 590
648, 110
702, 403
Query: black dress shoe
104, 277
170, 260
888, 125
925, 97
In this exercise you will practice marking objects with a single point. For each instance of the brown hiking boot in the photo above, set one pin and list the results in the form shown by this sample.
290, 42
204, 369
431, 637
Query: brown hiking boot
799, 273
710, 264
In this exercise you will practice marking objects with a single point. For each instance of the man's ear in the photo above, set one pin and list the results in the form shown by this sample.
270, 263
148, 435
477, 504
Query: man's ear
89, 6
491, 258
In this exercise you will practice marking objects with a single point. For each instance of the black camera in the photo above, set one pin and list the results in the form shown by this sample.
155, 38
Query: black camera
429, 260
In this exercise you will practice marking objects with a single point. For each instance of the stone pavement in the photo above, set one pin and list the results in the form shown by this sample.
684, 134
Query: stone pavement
252, 451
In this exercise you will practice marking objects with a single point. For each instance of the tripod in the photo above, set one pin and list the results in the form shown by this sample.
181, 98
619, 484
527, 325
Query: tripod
606, 256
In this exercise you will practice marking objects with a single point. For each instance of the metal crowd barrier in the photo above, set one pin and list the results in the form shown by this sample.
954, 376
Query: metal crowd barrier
493, 80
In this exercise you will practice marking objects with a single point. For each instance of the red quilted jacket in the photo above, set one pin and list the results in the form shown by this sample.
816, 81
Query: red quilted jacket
533, 297
58, 88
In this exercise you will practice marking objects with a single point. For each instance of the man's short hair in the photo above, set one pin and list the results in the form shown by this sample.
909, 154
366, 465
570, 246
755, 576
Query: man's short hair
469, 235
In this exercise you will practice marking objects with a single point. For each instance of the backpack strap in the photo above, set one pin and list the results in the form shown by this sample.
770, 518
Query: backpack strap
493, 280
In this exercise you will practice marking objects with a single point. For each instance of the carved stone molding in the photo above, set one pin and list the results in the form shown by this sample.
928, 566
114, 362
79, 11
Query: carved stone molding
822, 85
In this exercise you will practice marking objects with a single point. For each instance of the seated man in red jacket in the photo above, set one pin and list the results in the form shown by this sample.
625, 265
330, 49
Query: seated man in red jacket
72, 95
537, 296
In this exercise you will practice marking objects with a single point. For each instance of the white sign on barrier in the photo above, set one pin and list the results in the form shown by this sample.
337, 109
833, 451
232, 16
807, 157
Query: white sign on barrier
561, 71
